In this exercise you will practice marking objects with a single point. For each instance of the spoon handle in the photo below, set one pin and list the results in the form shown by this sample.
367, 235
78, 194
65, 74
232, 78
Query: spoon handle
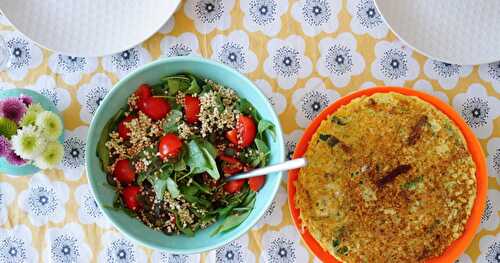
284, 166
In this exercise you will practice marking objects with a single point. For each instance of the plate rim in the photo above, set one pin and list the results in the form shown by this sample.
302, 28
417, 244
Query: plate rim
456, 248
86, 54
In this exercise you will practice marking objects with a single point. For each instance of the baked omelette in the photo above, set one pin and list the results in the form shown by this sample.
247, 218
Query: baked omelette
389, 179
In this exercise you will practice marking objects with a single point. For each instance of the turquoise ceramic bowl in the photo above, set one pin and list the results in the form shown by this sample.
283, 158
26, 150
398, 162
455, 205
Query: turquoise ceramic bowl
151, 73
27, 169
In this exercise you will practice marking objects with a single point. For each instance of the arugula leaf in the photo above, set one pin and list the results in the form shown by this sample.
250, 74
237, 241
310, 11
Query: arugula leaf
212, 165
245, 107
180, 165
210, 148
160, 186
177, 83
194, 88
231, 222
172, 187
265, 125
172, 121
263, 152
200, 160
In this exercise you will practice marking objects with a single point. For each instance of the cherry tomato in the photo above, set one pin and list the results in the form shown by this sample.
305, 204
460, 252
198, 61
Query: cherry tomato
130, 196
234, 186
228, 159
124, 172
191, 109
232, 136
144, 91
246, 131
155, 108
123, 131
170, 146
256, 182
230, 165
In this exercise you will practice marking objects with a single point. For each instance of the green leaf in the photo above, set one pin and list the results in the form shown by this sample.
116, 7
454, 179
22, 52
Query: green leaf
180, 165
160, 186
177, 83
194, 88
263, 153
212, 167
233, 221
172, 187
102, 150
172, 121
265, 125
200, 159
210, 148
247, 108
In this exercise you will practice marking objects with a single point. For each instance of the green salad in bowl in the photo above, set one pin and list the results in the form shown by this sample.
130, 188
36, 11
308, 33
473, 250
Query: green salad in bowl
168, 151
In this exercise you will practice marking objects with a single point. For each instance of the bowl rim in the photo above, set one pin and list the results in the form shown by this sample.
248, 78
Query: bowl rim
203, 62
458, 246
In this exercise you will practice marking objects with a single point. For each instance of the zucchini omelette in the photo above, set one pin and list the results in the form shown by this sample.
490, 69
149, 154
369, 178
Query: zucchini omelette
389, 179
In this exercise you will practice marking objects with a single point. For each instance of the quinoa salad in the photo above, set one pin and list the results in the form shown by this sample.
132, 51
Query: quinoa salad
168, 152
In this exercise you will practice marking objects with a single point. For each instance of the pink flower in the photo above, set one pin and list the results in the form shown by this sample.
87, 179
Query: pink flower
13, 109
15, 159
4, 146
27, 100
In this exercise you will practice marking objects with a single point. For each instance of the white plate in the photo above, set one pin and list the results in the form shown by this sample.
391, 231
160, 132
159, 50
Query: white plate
463, 32
88, 27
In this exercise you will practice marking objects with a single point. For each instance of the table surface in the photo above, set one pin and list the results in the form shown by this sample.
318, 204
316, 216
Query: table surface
302, 54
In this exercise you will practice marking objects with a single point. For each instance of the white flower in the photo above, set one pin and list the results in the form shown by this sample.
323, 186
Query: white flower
88, 211
50, 124
445, 73
46, 85
490, 249
478, 109
493, 148
209, 14
15, 245
165, 257
91, 95
28, 143
425, 86
7, 195
263, 15
464, 258
274, 213
339, 60
491, 72
287, 61
317, 16
71, 68
234, 252
490, 219
44, 200
66, 244
126, 61
74, 152
24, 55
234, 51
366, 19
183, 45
311, 100
277, 100
394, 63
168, 26
283, 246
119, 249
51, 156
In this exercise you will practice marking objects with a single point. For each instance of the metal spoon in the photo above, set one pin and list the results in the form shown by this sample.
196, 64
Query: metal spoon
280, 167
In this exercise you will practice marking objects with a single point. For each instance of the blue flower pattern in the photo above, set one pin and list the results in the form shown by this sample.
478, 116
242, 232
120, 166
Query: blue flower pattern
230, 253
71, 64
74, 152
493, 253
313, 103
339, 60
126, 60
12, 250
209, 11
316, 12
20, 52
286, 61
281, 250
475, 111
173, 258
494, 70
94, 98
65, 248
394, 64
368, 15
90, 206
120, 251
178, 50
233, 55
42, 201
263, 12
446, 70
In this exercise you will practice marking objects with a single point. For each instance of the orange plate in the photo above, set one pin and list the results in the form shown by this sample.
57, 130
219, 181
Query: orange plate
458, 246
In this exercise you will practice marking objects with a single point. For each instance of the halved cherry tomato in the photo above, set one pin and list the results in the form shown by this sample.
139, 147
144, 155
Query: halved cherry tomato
191, 109
124, 172
130, 196
123, 131
232, 136
170, 146
144, 91
155, 108
228, 159
246, 131
230, 165
256, 182
234, 186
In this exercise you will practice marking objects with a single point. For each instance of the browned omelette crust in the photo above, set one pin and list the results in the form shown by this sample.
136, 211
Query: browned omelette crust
389, 179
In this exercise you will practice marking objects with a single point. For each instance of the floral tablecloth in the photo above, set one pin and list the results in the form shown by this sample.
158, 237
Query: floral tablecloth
302, 54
